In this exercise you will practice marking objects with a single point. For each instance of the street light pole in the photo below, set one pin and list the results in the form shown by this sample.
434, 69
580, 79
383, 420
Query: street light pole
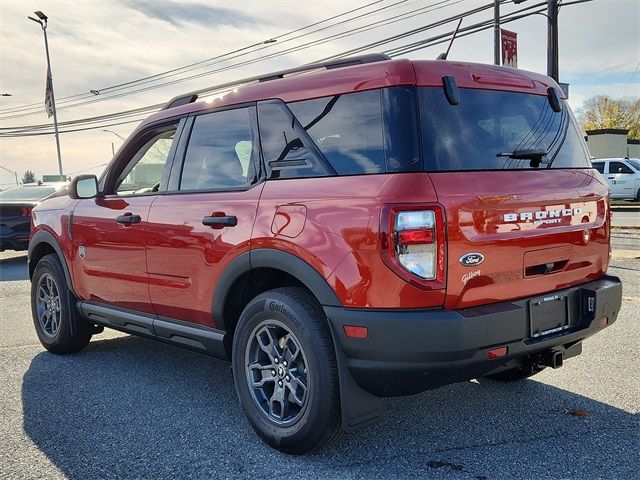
42, 20
15, 174
496, 32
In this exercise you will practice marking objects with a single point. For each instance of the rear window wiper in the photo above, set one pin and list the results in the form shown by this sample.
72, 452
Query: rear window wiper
524, 154
535, 155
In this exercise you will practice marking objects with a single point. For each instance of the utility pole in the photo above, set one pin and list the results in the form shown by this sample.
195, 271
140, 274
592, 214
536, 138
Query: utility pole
496, 32
42, 20
552, 40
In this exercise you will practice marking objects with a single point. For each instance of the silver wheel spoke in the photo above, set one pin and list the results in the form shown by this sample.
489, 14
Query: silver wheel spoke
268, 342
265, 374
48, 306
291, 349
298, 388
276, 405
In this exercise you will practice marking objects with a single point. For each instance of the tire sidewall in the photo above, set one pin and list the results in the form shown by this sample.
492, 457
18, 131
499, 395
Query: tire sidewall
47, 265
266, 307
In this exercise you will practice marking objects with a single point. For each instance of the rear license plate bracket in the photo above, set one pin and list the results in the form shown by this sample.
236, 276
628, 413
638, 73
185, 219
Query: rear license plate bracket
548, 315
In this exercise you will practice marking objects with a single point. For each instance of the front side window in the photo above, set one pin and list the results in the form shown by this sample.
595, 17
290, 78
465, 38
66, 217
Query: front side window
144, 171
619, 167
221, 153
498, 130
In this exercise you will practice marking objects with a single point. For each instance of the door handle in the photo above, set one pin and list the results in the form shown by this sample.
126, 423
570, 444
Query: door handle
611, 178
128, 219
221, 221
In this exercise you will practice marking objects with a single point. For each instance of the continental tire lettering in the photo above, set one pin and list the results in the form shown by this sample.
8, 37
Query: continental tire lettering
276, 306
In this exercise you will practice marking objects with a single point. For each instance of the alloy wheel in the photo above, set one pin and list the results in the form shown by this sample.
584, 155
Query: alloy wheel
48, 305
277, 372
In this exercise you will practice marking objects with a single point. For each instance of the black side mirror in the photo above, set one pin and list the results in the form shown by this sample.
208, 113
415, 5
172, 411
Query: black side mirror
83, 186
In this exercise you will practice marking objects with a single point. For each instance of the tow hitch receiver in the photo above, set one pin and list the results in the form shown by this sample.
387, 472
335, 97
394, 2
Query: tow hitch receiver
551, 358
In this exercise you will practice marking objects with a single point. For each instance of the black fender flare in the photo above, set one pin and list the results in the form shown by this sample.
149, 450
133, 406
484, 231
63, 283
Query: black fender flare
359, 408
275, 259
40, 237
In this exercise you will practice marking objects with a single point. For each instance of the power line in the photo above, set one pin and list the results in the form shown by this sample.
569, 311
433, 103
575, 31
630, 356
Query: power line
436, 6
203, 63
407, 48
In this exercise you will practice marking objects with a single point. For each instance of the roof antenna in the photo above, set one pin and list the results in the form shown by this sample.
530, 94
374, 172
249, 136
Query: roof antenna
443, 56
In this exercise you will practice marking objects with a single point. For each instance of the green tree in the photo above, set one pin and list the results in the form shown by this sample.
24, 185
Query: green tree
602, 111
28, 177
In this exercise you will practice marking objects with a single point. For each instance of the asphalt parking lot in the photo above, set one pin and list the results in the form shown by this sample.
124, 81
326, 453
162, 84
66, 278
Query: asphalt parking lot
131, 408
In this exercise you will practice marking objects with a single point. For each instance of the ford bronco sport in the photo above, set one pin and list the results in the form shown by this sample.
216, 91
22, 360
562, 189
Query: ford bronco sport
340, 232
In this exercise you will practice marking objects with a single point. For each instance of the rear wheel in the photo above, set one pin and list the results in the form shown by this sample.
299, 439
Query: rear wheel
285, 371
52, 311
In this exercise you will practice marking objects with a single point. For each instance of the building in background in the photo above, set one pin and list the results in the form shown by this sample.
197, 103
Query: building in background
612, 143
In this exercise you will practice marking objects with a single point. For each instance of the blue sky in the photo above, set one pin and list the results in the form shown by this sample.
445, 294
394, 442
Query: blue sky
95, 44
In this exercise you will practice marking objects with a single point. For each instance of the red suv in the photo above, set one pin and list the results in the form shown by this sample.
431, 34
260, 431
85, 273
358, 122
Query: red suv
340, 232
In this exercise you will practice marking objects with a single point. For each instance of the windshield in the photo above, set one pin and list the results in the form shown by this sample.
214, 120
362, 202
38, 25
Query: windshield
635, 164
27, 193
497, 130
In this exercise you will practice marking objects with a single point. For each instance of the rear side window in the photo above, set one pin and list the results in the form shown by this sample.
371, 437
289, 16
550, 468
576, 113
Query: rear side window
221, 151
287, 149
599, 166
497, 130
365, 132
347, 129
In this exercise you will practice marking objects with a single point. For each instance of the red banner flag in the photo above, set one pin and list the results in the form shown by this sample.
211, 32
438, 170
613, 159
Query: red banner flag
48, 95
509, 48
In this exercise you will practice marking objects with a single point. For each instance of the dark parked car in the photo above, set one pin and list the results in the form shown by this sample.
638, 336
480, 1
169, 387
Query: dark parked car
15, 212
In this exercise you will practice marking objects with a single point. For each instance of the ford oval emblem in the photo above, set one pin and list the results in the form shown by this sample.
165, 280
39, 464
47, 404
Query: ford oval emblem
471, 259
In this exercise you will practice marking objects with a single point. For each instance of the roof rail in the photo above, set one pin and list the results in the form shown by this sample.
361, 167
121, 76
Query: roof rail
329, 65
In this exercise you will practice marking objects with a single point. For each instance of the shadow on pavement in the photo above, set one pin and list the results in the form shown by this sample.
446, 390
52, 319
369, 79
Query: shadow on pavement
14, 268
132, 408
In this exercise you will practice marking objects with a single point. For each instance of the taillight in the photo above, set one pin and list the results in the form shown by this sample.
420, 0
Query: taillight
26, 212
413, 243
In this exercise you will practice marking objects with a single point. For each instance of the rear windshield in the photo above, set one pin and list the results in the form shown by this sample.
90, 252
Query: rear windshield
495, 130
27, 193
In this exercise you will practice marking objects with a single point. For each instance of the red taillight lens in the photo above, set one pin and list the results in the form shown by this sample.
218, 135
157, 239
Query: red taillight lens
413, 243
26, 212
415, 237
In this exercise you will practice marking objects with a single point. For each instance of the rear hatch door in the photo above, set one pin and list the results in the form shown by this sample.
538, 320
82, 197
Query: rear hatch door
526, 214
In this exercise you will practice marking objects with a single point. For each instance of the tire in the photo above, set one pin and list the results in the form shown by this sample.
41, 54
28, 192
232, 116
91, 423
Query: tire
515, 374
291, 395
55, 319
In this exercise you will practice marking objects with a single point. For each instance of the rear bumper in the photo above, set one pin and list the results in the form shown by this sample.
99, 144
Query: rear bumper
408, 351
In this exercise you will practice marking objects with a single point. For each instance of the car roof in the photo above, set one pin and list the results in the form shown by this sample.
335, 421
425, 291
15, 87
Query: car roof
379, 74
617, 159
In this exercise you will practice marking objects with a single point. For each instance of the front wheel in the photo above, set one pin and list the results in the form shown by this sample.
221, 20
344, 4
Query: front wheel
285, 372
52, 310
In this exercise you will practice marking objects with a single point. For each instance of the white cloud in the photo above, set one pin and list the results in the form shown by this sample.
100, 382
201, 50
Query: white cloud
101, 43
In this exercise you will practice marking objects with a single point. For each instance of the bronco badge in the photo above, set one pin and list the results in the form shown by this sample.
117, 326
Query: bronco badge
471, 259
